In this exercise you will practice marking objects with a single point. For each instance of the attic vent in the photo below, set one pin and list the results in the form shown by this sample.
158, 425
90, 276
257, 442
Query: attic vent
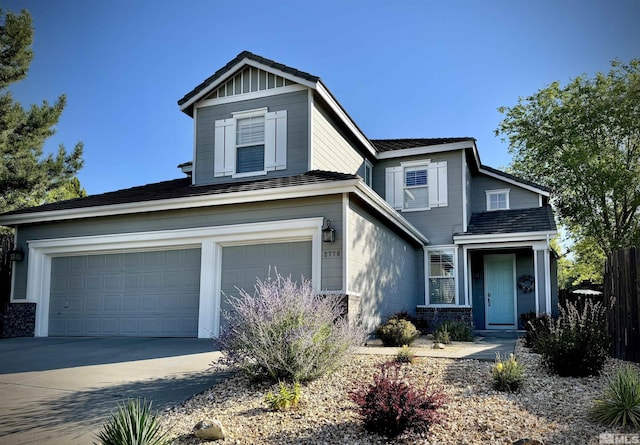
248, 80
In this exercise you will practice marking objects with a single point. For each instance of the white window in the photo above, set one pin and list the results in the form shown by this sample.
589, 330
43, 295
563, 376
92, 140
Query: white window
368, 173
250, 143
497, 199
417, 185
441, 276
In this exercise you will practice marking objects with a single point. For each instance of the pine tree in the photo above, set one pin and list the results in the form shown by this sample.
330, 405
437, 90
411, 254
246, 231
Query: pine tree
27, 177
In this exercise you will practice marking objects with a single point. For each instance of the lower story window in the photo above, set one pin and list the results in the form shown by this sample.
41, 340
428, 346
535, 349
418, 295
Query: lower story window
442, 276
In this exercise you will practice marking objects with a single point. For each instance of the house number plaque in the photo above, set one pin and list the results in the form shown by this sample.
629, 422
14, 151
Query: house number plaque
332, 253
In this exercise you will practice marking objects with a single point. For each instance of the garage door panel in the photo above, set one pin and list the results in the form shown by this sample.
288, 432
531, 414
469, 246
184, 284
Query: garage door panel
242, 265
126, 294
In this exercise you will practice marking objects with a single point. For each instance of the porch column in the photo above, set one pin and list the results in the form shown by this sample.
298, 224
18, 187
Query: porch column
542, 268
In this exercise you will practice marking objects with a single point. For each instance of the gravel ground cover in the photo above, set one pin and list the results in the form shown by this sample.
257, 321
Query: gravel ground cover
550, 409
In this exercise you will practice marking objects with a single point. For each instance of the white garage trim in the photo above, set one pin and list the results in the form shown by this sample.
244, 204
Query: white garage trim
208, 239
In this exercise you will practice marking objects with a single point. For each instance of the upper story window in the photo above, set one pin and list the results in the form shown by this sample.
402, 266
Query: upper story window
368, 173
497, 199
417, 185
250, 143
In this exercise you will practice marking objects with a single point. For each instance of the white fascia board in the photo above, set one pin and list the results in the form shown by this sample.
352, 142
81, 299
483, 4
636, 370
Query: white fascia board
517, 237
269, 194
430, 149
248, 96
374, 200
514, 182
344, 117
233, 70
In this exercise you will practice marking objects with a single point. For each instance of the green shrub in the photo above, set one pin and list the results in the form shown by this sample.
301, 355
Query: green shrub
397, 332
285, 398
507, 374
441, 335
620, 405
405, 355
132, 424
458, 330
287, 331
577, 344
536, 327
392, 404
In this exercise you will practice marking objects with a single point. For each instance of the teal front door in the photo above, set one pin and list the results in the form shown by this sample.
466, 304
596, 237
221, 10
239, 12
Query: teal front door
500, 291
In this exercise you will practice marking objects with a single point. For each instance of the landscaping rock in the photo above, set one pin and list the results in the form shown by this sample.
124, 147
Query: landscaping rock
528, 442
438, 346
209, 429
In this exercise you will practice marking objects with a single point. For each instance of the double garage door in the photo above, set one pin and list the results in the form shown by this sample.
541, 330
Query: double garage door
156, 293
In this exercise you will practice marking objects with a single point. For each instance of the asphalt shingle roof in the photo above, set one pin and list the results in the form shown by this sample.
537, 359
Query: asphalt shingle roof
400, 144
182, 188
537, 219
246, 55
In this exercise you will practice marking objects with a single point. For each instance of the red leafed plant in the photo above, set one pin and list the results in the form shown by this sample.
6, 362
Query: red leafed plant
392, 404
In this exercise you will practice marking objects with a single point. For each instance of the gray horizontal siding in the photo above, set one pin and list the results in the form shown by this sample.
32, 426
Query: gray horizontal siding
297, 107
327, 206
383, 267
440, 223
331, 148
519, 198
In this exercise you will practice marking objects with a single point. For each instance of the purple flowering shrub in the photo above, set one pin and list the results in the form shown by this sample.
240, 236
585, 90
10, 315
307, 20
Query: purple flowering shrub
391, 404
285, 331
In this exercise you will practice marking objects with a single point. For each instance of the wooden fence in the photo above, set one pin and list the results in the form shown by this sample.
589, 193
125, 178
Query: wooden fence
622, 282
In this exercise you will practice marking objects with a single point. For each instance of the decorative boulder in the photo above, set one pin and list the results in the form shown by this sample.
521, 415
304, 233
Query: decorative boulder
527, 442
209, 429
438, 346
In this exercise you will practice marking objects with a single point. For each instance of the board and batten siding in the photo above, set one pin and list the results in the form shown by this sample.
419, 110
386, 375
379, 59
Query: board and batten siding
384, 268
440, 223
296, 105
331, 150
519, 198
324, 206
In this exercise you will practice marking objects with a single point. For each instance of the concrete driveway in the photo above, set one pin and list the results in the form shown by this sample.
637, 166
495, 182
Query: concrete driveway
61, 390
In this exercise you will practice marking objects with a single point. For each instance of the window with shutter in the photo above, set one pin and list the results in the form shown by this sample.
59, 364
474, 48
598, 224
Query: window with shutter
250, 143
414, 186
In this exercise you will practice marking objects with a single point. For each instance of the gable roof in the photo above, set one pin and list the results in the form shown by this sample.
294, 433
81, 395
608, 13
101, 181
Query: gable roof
244, 55
537, 219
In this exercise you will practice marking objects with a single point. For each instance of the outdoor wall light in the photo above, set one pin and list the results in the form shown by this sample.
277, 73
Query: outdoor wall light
16, 254
328, 232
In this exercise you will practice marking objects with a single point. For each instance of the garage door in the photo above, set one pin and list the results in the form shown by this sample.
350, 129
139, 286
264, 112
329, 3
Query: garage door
241, 265
138, 294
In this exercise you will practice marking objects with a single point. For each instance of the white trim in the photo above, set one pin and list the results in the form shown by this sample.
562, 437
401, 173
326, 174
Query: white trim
515, 293
255, 112
539, 200
248, 174
247, 96
311, 132
507, 238
547, 280
368, 166
456, 283
184, 202
195, 147
535, 274
513, 181
490, 193
373, 199
429, 149
328, 98
465, 177
13, 272
209, 239
345, 240
466, 268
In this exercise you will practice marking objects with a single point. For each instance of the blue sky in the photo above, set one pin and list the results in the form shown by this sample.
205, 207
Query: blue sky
400, 68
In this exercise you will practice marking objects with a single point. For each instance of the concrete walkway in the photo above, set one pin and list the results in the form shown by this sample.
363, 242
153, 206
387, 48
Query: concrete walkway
483, 348
61, 390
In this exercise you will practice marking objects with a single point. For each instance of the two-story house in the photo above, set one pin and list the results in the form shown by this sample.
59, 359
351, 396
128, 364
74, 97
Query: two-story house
282, 178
